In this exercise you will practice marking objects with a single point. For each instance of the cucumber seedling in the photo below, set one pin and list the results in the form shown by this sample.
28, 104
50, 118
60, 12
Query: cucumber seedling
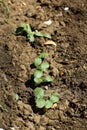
43, 100
42, 66
26, 29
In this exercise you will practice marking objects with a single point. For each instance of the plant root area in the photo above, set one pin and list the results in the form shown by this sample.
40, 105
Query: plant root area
66, 22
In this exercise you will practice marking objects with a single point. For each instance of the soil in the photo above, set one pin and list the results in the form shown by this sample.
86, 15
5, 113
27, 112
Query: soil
68, 64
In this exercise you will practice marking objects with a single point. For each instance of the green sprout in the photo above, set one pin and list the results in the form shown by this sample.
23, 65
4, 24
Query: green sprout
45, 100
37, 61
25, 28
42, 66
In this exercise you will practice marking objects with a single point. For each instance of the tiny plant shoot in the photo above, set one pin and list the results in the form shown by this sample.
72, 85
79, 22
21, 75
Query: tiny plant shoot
43, 100
25, 29
42, 66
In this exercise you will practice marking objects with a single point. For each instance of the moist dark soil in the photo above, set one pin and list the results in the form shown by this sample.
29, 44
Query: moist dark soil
68, 64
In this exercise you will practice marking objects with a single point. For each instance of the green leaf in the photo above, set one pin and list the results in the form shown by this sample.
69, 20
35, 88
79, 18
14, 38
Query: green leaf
37, 61
30, 37
26, 27
47, 35
40, 103
38, 80
39, 92
48, 79
54, 98
37, 33
44, 66
43, 55
48, 104
55, 94
38, 74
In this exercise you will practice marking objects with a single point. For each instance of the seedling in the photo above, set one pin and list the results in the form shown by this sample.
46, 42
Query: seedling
45, 100
25, 28
42, 66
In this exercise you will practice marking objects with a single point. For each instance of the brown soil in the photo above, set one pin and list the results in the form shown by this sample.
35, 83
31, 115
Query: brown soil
68, 61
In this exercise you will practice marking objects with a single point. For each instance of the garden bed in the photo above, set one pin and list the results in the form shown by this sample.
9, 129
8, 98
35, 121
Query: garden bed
67, 58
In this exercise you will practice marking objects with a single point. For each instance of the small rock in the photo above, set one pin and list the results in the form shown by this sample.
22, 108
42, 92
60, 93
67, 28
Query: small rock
74, 100
14, 128
60, 14
55, 71
53, 129
43, 120
49, 22
20, 105
66, 8
1, 129
62, 23
46, 87
65, 45
62, 117
25, 107
22, 76
42, 128
63, 106
37, 119
31, 11
23, 3
61, 73
23, 68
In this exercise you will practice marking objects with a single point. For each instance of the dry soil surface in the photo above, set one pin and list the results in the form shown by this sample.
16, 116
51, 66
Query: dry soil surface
68, 64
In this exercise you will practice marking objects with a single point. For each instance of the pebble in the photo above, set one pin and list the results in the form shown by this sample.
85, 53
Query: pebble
23, 68
37, 119
55, 71
24, 107
62, 23
63, 106
66, 8
43, 120
42, 128
49, 22
62, 117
